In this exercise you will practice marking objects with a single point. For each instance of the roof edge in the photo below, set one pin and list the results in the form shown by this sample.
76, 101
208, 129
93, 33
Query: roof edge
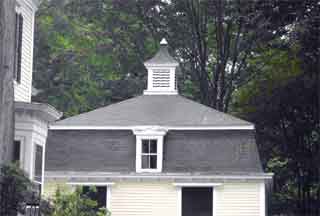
48, 112
77, 127
195, 176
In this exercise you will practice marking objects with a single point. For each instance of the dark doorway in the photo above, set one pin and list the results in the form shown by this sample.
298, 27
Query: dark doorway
197, 201
98, 194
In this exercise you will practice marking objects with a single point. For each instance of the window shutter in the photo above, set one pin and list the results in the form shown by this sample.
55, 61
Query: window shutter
18, 47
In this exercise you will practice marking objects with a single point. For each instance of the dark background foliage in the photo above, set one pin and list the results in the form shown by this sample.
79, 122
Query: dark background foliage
255, 59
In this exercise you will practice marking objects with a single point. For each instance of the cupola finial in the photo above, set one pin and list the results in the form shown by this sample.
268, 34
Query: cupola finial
163, 42
162, 72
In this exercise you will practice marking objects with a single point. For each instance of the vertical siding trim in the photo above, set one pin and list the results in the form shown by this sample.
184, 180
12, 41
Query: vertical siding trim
179, 200
32, 156
262, 199
43, 165
214, 201
108, 204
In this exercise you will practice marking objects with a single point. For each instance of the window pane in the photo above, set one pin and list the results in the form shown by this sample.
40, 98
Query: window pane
145, 146
96, 193
16, 151
153, 146
145, 162
38, 163
153, 161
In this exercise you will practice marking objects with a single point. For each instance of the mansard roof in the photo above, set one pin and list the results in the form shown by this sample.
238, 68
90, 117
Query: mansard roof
154, 110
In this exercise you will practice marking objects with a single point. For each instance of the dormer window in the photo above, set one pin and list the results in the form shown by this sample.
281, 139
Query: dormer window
149, 149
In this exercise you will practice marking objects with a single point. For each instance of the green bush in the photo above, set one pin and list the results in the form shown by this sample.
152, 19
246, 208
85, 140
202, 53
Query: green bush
75, 204
15, 190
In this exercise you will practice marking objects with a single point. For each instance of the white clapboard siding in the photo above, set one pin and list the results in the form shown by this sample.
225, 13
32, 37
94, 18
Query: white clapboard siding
238, 199
50, 188
144, 199
22, 90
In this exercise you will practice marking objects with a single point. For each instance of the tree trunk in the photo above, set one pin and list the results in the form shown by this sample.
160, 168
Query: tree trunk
7, 26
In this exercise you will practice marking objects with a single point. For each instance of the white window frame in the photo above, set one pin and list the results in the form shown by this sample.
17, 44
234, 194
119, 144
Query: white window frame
35, 144
139, 153
101, 184
149, 133
214, 186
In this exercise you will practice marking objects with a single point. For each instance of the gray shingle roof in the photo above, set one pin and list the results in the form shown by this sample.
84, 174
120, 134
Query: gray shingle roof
161, 110
162, 57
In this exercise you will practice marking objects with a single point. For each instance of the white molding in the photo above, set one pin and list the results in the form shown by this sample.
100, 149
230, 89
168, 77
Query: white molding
139, 139
264, 176
214, 202
179, 201
160, 65
190, 184
158, 92
149, 131
91, 183
43, 167
75, 127
108, 204
262, 198
214, 194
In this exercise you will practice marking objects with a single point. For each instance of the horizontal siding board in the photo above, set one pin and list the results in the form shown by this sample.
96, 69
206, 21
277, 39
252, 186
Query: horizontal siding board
238, 199
144, 199
161, 198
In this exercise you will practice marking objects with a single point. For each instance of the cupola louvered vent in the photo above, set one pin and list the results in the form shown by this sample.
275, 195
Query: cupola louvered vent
161, 79
162, 72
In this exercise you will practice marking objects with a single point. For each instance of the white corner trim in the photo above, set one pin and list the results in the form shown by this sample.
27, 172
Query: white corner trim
262, 200
91, 183
179, 201
76, 127
197, 184
108, 204
214, 202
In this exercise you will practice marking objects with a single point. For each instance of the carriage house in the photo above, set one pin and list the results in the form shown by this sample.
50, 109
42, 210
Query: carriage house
159, 154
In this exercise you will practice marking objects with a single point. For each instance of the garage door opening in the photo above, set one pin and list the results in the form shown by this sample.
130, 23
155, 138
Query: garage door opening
197, 201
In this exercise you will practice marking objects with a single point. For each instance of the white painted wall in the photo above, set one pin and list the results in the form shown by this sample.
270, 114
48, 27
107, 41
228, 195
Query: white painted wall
144, 199
238, 199
22, 90
30, 131
164, 198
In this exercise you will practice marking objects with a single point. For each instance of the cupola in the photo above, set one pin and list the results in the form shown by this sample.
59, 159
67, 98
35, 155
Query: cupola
161, 72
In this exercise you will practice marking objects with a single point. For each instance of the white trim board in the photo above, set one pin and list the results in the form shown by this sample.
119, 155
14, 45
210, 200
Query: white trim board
262, 199
155, 176
91, 183
197, 184
75, 127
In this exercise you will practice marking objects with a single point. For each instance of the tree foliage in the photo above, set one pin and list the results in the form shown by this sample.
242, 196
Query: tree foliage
75, 204
256, 59
282, 98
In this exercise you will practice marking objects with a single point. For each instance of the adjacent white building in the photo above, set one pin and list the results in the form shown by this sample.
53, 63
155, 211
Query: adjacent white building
31, 118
